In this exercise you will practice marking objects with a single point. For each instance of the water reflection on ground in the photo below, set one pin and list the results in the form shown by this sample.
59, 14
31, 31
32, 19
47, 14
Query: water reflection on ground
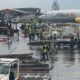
66, 65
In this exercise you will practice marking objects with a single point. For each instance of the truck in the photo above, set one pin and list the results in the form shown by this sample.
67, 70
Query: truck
9, 69
15, 69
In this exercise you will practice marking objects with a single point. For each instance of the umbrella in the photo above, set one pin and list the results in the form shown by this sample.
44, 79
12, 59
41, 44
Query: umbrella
54, 32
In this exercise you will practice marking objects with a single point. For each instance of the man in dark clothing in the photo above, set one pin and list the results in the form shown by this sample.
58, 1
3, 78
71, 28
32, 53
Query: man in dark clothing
72, 43
54, 39
11, 77
79, 44
78, 40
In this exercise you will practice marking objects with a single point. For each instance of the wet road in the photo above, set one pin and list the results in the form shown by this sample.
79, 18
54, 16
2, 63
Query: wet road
66, 65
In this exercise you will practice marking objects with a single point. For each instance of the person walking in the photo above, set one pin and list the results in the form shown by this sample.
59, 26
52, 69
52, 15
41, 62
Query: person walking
37, 33
72, 43
45, 51
30, 33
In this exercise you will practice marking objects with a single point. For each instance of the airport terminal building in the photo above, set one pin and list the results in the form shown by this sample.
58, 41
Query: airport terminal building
16, 15
20, 12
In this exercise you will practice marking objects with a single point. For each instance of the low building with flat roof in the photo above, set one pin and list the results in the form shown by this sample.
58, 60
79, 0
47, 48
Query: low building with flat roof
20, 12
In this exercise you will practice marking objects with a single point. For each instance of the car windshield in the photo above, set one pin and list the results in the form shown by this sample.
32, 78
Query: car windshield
4, 69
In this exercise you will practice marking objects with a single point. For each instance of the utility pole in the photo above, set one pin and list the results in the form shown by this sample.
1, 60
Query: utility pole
55, 5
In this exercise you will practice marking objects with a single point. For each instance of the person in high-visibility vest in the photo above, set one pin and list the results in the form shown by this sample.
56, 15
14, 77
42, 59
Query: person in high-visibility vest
37, 32
30, 30
30, 33
45, 51
33, 33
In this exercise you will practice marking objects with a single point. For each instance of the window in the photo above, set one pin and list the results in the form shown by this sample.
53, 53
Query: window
4, 69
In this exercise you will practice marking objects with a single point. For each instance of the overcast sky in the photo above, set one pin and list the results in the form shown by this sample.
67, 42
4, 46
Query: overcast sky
43, 4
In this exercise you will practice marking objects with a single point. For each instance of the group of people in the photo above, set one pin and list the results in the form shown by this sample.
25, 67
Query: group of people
33, 32
73, 42
10, 35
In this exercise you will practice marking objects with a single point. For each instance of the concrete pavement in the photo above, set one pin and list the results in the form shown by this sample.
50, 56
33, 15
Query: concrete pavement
18, 47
